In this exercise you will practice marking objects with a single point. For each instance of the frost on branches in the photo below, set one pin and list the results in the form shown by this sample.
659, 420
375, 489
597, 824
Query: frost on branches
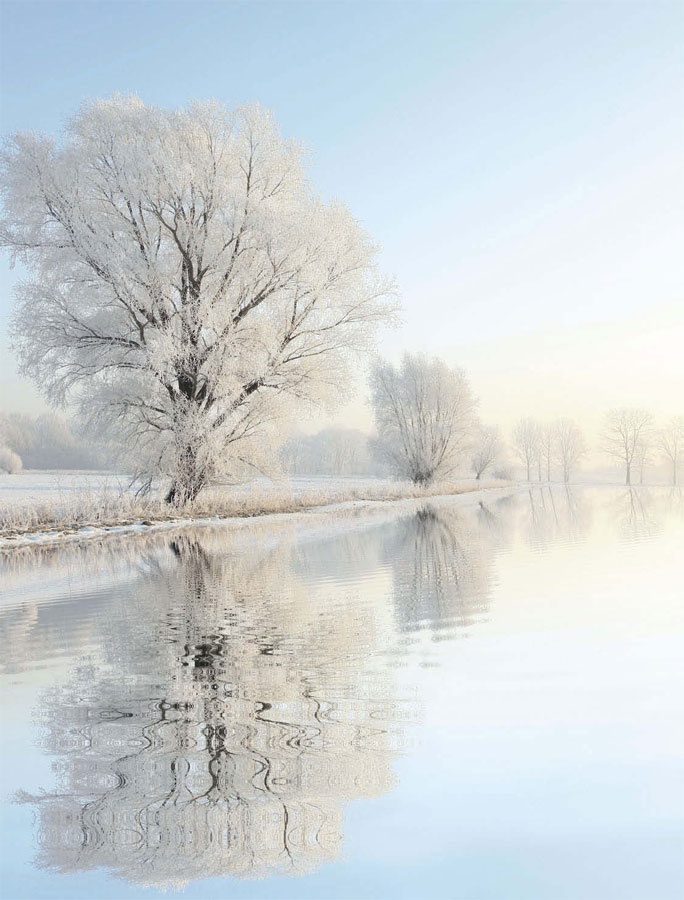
188, 290
424, 415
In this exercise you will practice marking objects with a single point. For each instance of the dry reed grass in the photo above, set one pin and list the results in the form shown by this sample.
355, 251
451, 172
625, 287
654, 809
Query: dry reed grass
109, 507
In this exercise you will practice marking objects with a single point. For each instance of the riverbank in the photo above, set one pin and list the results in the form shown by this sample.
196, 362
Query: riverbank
108, 512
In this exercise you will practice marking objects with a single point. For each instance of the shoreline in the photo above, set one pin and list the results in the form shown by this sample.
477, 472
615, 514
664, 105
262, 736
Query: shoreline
22, 540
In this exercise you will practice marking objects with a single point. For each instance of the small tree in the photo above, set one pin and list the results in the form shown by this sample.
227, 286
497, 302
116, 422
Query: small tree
626, 430
527, 442
424, 414
569, 445
643, 455
671, 443
188, 288
487, 449
10, 462
17, 431
546, 447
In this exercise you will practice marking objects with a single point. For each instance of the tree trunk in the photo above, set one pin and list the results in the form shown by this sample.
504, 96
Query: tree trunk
422, 479
188, 480
528, 471
628, 477
182, 491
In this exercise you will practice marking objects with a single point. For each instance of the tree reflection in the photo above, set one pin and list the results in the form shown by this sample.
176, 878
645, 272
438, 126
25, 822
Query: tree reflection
633, 510
441, 558
224, 726
555, 514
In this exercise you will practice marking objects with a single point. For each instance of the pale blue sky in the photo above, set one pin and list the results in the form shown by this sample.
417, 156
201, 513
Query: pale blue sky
519, 163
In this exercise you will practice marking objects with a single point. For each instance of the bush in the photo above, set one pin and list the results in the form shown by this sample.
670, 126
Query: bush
10, 461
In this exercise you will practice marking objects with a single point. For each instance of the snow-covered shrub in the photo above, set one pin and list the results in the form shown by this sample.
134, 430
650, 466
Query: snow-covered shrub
10, 461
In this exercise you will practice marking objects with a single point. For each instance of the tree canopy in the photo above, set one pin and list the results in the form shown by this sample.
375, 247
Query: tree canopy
424, 414
187, 287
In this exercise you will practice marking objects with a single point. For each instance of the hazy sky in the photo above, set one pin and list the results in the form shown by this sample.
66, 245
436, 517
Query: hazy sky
520, 165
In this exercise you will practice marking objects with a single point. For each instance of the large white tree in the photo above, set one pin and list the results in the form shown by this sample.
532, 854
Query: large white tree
424, 415
626, 431
185, 281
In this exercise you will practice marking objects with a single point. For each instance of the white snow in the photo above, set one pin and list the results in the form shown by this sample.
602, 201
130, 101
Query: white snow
56, 488
53, 485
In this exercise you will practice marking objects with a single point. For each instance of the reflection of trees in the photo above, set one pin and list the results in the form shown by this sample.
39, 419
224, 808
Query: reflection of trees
494, 520
231, 703
673, 502
227, 721
633, 511
441, 558
555, 513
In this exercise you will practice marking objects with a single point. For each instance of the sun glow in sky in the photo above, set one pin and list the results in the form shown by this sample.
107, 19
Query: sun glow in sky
519, 165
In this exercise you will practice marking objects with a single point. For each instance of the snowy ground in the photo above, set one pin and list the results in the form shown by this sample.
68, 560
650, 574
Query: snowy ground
54, 486
47, 507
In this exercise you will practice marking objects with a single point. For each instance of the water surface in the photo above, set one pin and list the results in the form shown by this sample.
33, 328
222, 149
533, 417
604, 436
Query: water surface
476, 697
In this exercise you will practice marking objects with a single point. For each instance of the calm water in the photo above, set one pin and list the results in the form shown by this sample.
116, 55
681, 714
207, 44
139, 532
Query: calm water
455, 699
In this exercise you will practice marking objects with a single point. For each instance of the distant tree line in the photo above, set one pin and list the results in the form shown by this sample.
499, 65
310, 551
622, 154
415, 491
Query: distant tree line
426, 430
48, 441
548, 448
330, 452
632, 437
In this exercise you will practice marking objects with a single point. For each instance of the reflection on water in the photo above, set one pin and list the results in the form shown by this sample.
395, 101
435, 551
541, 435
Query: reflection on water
441, 572
227, 692
639, 514
553, 514
225, 723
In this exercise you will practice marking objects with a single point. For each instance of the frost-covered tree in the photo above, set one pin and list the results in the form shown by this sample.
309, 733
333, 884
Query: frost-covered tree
424, 415
546, 447
486, 449
671, 443
644, 454
187, 286
527, 442
569, 445
626, 431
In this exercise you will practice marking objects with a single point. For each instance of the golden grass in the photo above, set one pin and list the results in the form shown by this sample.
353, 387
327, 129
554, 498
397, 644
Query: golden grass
68, 512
